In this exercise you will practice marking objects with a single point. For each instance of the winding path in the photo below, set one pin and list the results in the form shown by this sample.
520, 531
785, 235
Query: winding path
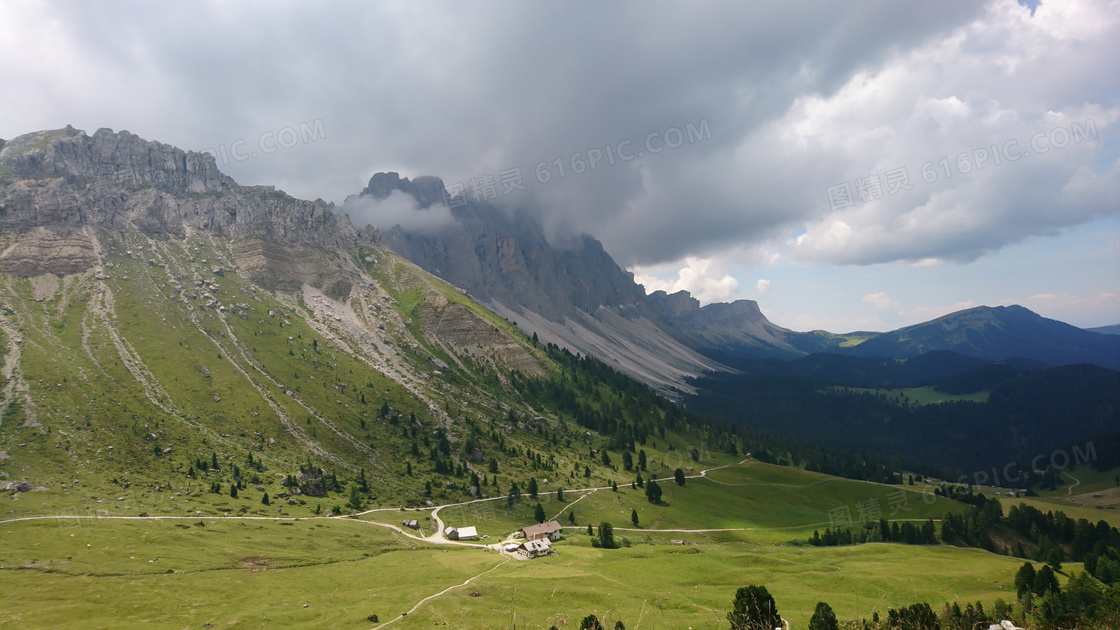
1076, 482
431, 597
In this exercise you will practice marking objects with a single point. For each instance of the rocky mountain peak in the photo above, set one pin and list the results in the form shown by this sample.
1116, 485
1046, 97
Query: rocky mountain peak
426, 189
123, 158
55, 185
65, 178
677, 304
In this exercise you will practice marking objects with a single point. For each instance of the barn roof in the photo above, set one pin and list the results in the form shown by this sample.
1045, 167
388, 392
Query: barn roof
532, 531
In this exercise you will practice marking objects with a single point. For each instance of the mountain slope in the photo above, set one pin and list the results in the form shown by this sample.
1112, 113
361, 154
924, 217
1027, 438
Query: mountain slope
997, 333
166, 333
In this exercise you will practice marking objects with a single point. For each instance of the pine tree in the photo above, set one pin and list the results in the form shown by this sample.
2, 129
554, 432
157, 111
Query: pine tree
264, 499
538, 513
590, 622
1045, 581
233, 490
824, 618
634, 517
753, 608
606, 536
1054, 560
678, 475
355, 497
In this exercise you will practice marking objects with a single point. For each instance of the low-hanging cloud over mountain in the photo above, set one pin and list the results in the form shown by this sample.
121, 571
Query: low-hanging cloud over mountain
858, 133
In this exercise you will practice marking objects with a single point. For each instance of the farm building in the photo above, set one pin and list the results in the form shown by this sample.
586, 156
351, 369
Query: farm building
550, 530
411, 524
536, 548
461, 533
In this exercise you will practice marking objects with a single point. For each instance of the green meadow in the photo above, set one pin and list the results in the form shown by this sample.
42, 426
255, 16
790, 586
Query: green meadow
336, 573
920, 395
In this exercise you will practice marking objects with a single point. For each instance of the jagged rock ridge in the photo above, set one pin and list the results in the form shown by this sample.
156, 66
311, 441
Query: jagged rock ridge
55, 185
573, 295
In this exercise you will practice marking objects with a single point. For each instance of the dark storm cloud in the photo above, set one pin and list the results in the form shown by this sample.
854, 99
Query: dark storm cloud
469, 90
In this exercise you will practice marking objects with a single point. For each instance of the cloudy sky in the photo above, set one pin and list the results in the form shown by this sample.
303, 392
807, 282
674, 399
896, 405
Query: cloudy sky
854, 165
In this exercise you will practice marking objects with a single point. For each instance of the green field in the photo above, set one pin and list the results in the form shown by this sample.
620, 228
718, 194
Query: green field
772, 503
762, 496
1088, 481
245, 573
918, 395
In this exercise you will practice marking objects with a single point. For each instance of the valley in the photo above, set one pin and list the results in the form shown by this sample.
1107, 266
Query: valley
223, 406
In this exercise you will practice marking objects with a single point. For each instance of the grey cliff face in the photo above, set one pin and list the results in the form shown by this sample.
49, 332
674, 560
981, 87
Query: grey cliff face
507, 259
57, 186
426, 190
66, 179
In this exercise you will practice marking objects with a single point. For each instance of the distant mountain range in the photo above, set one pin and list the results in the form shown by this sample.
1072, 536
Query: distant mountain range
997, 333
577, 296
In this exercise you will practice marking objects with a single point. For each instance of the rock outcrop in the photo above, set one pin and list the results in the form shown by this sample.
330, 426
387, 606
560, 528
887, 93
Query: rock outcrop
507, 259
45, 250
56, 184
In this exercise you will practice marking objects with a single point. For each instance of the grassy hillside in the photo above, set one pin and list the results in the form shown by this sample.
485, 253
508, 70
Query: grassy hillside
124, 378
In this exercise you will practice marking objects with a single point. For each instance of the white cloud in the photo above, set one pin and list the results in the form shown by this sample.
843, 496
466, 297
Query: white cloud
880, 301
699, 277
937, 111
762, 286
398, 208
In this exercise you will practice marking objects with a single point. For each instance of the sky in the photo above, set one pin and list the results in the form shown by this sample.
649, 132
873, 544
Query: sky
852, 166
